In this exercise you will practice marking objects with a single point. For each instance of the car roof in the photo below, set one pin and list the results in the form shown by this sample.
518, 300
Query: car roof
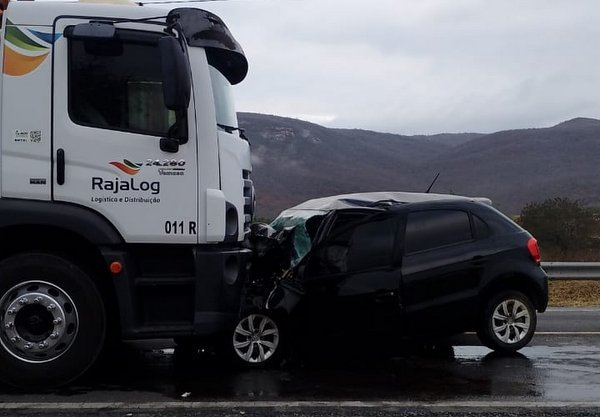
378, 199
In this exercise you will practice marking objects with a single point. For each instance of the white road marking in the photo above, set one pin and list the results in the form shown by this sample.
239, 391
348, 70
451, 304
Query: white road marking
479, 405
568, 333
553, 333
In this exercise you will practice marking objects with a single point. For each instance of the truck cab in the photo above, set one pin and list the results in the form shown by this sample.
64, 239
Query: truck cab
121, 161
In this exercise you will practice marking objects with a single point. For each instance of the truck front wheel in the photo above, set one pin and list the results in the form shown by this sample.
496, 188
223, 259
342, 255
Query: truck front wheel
52, 321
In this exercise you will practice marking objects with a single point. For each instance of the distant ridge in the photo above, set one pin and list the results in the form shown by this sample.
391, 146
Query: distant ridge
296, 160
579, 122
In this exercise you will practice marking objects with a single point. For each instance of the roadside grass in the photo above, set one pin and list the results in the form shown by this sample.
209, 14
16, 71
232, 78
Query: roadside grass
574, 293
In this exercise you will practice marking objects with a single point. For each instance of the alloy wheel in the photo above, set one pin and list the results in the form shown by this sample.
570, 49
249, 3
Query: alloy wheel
511, 321
256, 338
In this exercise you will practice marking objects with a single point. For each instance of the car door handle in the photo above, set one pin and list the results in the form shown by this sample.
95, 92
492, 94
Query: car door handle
478, 260
384, 296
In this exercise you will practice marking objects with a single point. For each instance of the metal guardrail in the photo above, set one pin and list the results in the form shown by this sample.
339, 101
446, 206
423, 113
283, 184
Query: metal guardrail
572, 270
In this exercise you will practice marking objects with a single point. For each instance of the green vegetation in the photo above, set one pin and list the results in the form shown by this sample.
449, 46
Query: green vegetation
565, 229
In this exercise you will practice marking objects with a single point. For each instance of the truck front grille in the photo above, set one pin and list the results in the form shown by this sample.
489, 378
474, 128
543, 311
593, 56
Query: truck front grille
249, 200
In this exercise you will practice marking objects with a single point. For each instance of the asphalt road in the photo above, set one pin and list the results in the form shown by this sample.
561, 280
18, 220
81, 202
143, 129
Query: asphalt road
558, 374
569, 320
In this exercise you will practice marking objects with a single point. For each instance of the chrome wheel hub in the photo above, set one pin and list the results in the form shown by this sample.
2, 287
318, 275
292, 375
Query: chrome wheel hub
511, 321
39, 321
256, 338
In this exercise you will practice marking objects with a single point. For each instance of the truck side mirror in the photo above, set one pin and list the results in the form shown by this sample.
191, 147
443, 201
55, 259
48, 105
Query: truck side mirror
169, 145
176, 74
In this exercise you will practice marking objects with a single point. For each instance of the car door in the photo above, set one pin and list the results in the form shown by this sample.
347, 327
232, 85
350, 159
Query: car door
108, 118
441, 270
352, 284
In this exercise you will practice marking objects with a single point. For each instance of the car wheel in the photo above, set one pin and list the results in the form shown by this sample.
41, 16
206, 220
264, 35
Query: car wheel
257, 340
508, 322
52, 321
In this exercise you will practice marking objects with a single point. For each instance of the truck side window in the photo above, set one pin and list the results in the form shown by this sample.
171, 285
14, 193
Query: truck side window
117, 84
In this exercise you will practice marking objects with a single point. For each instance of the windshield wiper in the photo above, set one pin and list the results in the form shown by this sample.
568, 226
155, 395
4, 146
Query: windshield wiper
231, 129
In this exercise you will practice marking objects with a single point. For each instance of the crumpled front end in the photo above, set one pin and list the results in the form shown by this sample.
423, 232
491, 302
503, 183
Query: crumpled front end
278, 249
271, 260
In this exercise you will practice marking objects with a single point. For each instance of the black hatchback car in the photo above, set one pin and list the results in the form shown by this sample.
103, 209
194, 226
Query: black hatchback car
368, 265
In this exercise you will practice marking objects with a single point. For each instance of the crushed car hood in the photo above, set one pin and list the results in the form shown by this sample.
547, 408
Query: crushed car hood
375, 199
280, 247
298, 217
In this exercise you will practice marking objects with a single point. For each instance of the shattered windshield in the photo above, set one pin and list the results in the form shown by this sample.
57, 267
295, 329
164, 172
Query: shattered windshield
305, 224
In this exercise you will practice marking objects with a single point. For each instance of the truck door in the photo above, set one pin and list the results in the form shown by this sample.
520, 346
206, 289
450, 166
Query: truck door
108, 119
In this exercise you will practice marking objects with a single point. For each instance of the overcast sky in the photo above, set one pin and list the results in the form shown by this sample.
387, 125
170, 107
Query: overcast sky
426, 66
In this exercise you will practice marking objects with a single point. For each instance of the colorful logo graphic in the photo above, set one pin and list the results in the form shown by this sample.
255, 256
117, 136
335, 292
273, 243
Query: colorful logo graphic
127, 167
25, 49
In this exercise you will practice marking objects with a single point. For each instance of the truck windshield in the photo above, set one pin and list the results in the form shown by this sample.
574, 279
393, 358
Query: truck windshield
226, 116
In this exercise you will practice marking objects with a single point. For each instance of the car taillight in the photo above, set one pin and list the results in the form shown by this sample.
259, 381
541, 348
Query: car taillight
534, 250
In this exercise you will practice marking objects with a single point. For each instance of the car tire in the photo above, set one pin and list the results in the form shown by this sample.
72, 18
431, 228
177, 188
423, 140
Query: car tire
257, 340
52, 318
508, 322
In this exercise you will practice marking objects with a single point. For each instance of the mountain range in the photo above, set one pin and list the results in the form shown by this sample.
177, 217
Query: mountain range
294, 160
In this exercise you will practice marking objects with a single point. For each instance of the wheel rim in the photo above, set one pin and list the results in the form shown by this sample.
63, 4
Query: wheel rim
39, 321
256, 338
511, 321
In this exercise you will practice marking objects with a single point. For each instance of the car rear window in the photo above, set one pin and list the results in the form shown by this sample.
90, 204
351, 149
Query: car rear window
498, 222
430, 229
480, 228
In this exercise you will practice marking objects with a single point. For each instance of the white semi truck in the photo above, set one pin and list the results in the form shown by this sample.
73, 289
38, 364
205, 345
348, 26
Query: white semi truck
125, 182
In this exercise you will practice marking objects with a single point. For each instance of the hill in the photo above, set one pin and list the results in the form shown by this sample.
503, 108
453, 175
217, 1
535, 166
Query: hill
296, 160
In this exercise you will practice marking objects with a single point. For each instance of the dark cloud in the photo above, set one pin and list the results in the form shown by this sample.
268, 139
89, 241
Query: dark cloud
419, 67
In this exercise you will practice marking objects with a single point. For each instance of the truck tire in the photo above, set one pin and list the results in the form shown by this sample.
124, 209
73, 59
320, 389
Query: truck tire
52, 320
508, 322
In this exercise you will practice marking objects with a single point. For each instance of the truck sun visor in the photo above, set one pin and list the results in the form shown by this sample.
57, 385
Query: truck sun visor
206, 30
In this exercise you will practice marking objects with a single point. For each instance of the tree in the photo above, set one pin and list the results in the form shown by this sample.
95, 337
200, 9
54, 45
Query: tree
560, 223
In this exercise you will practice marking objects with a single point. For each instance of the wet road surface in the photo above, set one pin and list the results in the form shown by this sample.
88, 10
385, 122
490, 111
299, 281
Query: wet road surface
552, 370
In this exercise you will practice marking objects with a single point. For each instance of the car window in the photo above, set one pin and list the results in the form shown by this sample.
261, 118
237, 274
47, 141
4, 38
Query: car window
498, 222
430, 229
364, 246
372, 244
480, 228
